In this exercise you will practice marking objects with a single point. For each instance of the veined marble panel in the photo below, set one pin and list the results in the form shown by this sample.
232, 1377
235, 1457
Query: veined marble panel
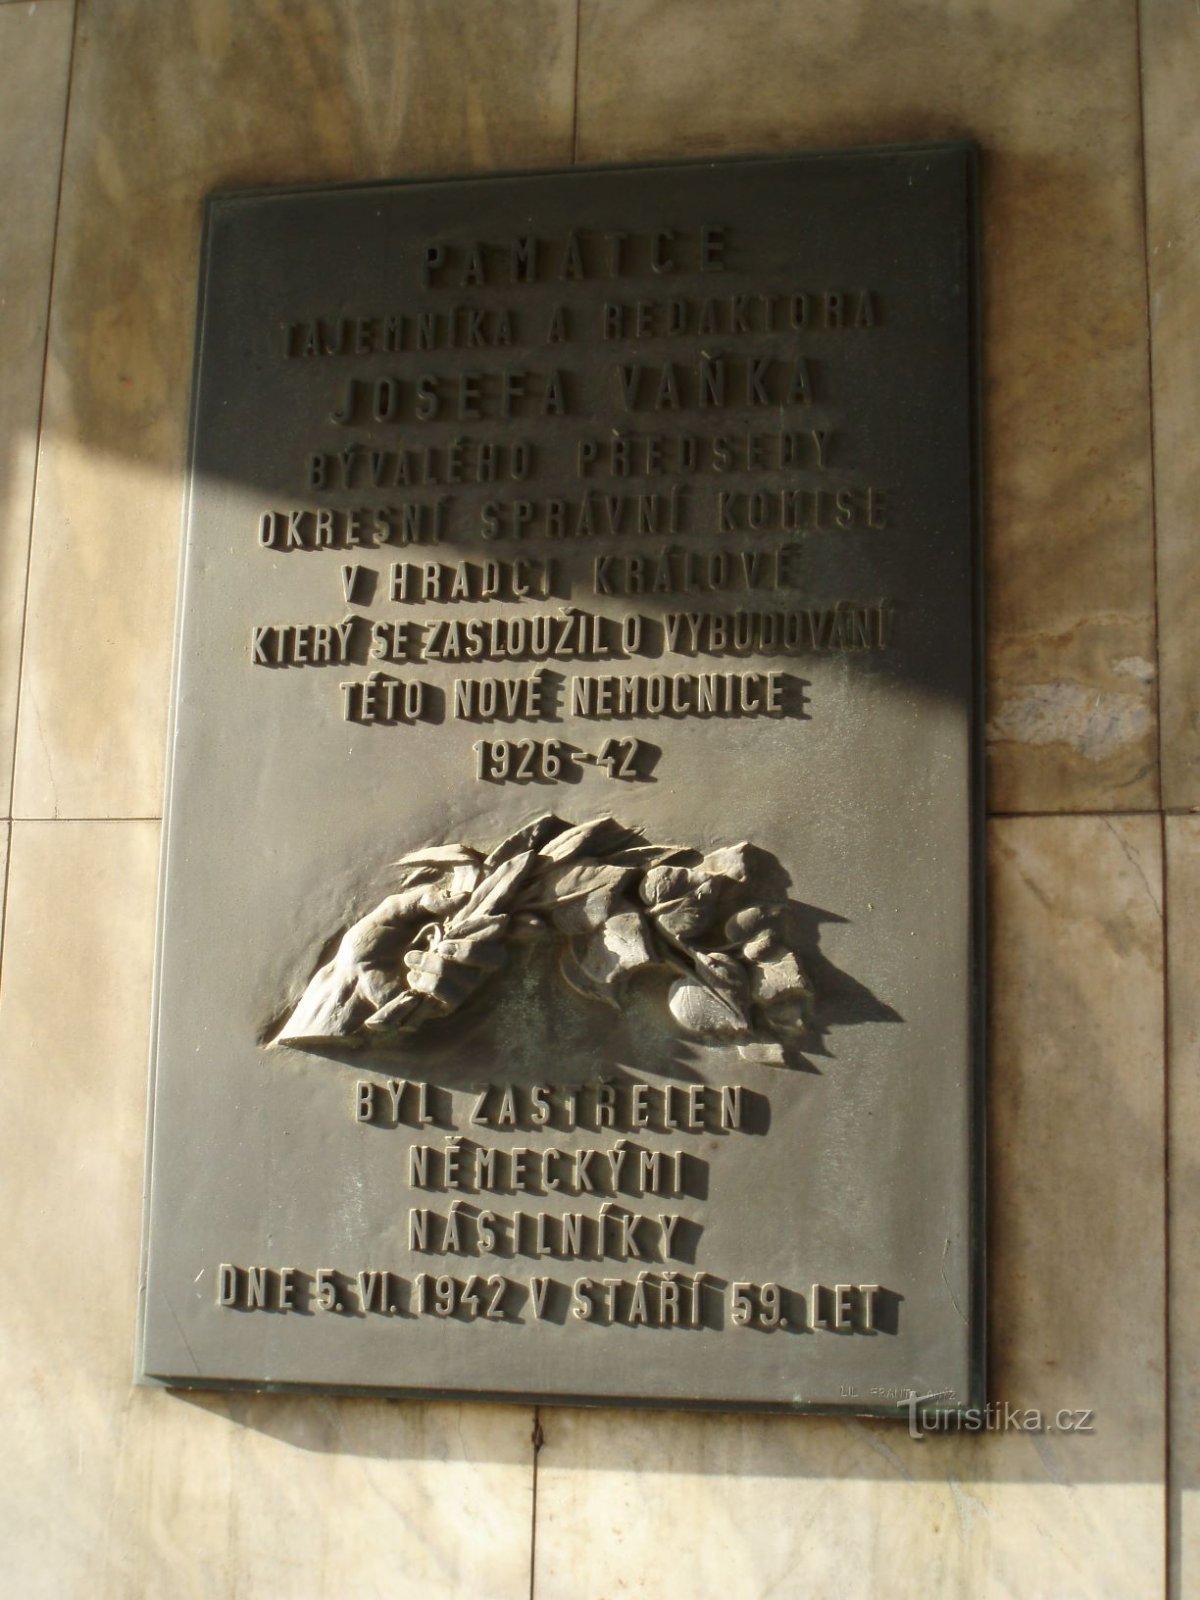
35, 60
167, 103
108, 1492
1050, 92
1170, 72
660, 1505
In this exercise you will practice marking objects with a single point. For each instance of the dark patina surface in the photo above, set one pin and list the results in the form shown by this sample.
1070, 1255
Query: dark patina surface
569, 975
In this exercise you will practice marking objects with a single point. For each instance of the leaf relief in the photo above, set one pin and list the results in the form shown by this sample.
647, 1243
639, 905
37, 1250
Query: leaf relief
618, 905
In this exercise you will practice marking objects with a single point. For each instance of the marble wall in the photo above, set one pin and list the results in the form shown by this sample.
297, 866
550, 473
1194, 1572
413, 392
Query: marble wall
116, 116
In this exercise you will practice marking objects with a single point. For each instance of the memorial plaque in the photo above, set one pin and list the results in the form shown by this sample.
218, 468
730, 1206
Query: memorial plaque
569, 969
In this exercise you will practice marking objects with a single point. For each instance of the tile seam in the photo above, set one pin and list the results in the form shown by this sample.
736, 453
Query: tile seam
26, 822
990, 816
33, 488
1170, 1576
1171, 1567
536, 1443
575, 88
1129, 811
1150, 427
41, 413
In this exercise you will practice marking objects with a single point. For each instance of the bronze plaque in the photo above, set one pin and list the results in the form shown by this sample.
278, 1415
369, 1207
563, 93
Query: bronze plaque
569, 969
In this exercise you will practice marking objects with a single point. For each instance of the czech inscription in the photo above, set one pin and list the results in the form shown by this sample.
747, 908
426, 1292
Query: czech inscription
652, 454
569, 913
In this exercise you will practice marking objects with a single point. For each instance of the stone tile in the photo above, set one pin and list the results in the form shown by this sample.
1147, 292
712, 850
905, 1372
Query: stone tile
106, 1491
167, 103
711, 1506
35, 59
1050, 91
1170, 70
1183, 1046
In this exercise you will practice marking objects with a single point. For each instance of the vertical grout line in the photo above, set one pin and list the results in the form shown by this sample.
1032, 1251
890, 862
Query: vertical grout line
1141, 102
575, 90
37, 438
7, 826
538, 1438
1170, 1531
5, 880
1171, 1519
33, 488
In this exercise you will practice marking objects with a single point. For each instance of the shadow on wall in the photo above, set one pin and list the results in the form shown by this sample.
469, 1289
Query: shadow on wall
1014, 1444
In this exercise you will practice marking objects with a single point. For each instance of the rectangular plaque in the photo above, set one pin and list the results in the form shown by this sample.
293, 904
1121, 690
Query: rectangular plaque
569, 963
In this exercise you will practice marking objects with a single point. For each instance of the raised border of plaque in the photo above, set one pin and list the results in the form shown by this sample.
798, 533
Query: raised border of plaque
569, 983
